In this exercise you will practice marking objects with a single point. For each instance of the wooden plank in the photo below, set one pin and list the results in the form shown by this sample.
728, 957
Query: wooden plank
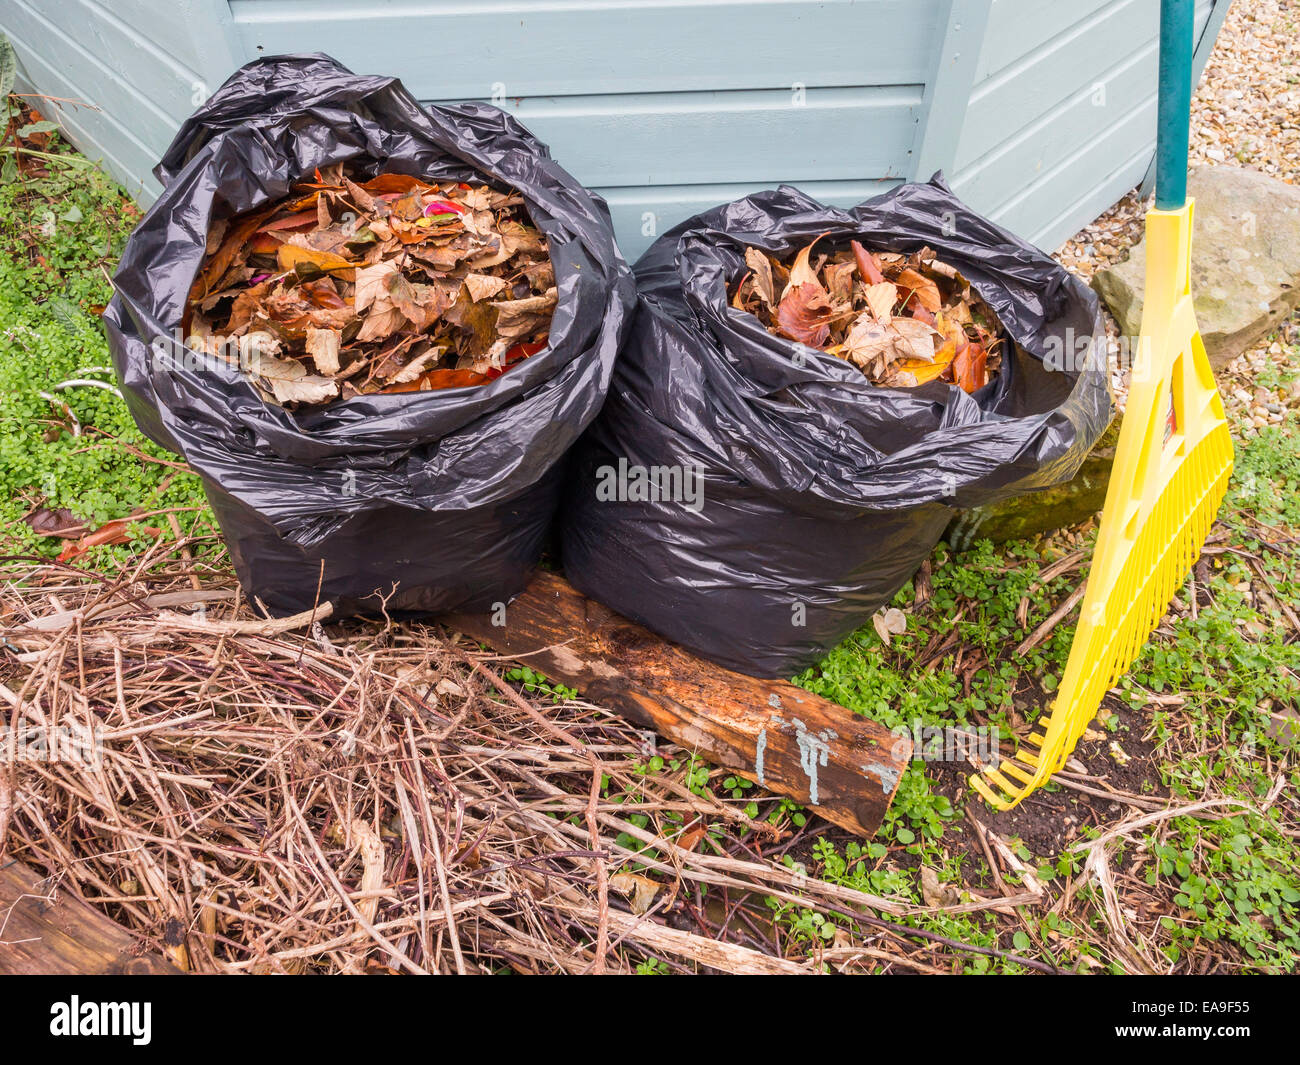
1047, 206
1055, 89
788, 740
212, 28
109, 68
1107, 190
46, 931
142, 121
1018, 28
1033, 149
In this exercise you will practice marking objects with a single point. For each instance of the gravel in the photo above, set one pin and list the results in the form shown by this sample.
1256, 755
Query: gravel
1245, 112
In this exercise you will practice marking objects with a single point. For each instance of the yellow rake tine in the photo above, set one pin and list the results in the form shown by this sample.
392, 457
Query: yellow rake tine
1015, 770
987, 793
995, 777
1171, 471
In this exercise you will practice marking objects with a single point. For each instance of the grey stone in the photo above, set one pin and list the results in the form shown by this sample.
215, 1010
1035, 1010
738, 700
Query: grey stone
1245, 261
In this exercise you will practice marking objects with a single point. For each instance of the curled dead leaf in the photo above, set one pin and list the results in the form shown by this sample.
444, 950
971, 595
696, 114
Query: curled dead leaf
323, 347
936, 893
801, 271
922, 288
639, 890
805, 314
483, 286
970, 368
761, 265
889, 623
916, 339
881, 299
867, 267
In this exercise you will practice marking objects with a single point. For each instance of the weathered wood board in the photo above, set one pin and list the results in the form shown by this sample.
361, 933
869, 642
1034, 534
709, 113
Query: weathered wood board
52, 932
788, 740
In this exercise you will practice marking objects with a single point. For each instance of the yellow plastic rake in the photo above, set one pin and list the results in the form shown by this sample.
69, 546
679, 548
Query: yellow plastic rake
1171, 467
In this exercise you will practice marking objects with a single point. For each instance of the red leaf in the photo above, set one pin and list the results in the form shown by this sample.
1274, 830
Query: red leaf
301, 220
523, 351
866, 264
805, 314
437, 379
969, 368
115, 532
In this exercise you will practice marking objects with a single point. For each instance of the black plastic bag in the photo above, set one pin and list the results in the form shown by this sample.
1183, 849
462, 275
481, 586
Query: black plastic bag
427, 501
821, 493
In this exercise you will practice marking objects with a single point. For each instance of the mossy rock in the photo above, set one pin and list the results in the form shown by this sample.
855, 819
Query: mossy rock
1041, 512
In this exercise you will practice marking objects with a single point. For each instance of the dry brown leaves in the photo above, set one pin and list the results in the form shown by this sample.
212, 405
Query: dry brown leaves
390, 284
902, 319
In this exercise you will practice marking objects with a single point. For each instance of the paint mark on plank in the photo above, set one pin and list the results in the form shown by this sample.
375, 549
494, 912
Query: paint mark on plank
814, 750
887, 775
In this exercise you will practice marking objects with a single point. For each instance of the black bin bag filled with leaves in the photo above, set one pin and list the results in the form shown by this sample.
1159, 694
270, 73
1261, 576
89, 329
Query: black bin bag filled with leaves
417, 500
756, 499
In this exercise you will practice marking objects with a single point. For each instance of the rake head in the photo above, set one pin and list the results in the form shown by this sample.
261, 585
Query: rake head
1171, 471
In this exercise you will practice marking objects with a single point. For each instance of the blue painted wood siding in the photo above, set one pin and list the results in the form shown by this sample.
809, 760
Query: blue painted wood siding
673, 106
1060, 118
138, 66
666, 108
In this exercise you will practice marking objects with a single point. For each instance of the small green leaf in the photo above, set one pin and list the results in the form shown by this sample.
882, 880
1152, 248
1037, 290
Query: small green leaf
69, 316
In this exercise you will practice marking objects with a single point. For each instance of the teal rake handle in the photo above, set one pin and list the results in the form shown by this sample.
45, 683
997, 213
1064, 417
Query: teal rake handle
1175, 103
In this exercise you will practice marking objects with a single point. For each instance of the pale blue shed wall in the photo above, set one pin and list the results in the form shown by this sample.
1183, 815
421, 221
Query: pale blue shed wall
674, 106
1060, 119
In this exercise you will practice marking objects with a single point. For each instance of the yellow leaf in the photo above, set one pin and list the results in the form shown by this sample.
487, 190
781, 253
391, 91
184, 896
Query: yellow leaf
290, 257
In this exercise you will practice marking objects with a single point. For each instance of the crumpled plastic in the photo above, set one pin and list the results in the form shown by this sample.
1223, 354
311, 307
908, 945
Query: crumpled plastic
821, 492
424, 501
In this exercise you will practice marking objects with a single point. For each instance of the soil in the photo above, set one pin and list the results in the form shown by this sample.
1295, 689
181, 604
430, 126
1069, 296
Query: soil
1046, 822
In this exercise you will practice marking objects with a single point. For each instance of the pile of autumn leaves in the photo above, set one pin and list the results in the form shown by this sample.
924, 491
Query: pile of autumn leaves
902, 319
391, 284
395, 284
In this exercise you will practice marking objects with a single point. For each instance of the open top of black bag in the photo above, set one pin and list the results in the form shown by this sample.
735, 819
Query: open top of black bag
274, 122
808, 427
819, 491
